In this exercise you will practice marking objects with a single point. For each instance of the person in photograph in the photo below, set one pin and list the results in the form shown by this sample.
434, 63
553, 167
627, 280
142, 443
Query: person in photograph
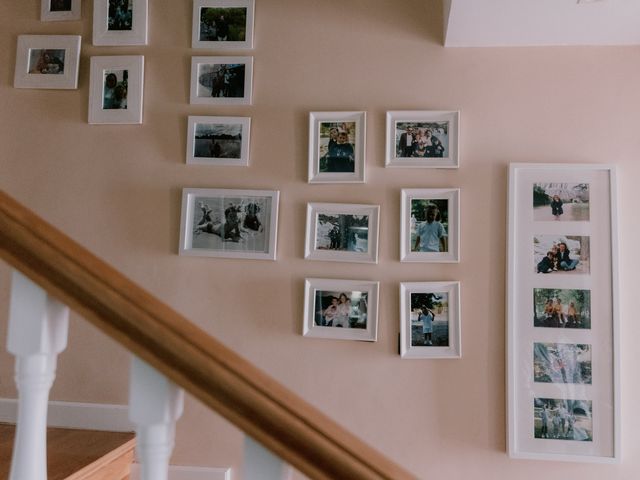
420, 144
548, 313
120, 16
330, 313
222, 29
544, 416
333, 139
433, 146
343, 310
431, 235
232, 223
556, 207
564, 260
426, 316
215, 149
341, 157
217, 82
334, 238
251, 220
207, 224
406, 142
48, 63
115, 93
546, 264
572, 316
558, 312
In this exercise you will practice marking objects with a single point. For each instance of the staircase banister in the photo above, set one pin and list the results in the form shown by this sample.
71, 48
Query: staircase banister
221, 379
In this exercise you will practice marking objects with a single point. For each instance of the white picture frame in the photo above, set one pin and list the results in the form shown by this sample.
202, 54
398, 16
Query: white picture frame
236, 33
430, 320
120, 22
346, 164
219, 80
60, 10
210, 228
218, 141
116, 89
434, 139
563, 376
47, 62
440, 239
342, 232
353, 318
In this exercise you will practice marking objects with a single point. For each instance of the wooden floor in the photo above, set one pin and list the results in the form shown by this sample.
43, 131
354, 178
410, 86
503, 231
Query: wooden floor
71, 451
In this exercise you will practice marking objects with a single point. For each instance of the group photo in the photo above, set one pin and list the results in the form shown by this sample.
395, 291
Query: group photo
561, 308
429, 225
46, 61
562, 363
346, 309
429, 319
561, 202
422, 139
560, 419
561, 254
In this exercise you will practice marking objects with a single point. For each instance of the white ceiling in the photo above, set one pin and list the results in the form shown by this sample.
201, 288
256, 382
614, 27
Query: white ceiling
491, 23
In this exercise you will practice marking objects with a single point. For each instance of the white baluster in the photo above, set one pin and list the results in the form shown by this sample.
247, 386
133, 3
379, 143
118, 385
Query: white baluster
260, 464
155, 404
38, 327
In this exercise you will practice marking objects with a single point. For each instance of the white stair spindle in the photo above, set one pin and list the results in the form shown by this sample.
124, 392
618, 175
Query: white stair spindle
155, 404
38, 327
261, 464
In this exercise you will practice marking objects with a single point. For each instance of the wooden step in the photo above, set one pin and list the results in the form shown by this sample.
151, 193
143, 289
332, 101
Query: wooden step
78, 454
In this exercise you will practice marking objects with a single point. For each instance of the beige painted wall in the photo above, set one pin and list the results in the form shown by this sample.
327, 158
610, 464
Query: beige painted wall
116, 190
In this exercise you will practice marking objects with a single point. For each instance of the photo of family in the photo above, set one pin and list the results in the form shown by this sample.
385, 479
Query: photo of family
337, 147
422, 139
429, 225
561, 363
429, 319
215, 140
560, 419
341, 309
561, 202
223, 24
120, 16
347, 233
561, 254
46, 61
221, 80
114, 93
561, 308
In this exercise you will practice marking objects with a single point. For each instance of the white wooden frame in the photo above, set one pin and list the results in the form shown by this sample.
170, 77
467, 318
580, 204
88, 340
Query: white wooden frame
139, 25
198, 63
315, 119
245, 131
314, 253
247, 43
47, 15
407, 252
134, 65
597, 401
68, 80
263, 240
394, 158
310, 327
454, 347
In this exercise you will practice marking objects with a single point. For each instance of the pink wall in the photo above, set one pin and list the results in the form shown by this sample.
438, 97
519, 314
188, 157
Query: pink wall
116, 190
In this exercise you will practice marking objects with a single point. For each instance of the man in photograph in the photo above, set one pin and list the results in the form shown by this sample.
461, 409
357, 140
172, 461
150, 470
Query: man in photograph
406, 142
431, 235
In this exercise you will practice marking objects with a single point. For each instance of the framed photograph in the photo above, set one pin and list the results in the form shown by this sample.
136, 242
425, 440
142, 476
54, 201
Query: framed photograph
59, 10
220, 24
422, 139
116, 89
562, 313
47, 61
120, 22
221, 80
336, 147
218, 141
341, 309
430, 230
229, 223
342, 232
430, 320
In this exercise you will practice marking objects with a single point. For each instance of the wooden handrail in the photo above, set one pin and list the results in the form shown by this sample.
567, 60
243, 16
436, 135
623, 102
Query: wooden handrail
268, 412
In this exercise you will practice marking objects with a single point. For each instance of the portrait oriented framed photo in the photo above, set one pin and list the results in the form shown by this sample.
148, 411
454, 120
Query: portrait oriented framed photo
427, 139
220, 141
563, 378
430, 229
116, 89
336, 147
229, 223
341, 309
221, 80
430, 320
60, 10
342, 232
47, 61
223, 24
120, 22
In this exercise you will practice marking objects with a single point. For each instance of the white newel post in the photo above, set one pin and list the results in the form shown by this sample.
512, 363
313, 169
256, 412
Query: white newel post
260, 464
155, 404
38, 327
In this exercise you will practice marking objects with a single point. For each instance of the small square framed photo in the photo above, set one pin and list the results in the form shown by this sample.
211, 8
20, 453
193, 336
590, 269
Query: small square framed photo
218, 141
341, 309
422, 139
430, 230
229, 223
221, 80
59, 10
120, 22
430, 320
342, 232
222, 24
116, 89
336, 147
47, 61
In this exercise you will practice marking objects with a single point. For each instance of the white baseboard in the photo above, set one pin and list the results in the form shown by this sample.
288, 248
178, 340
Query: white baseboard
189, 473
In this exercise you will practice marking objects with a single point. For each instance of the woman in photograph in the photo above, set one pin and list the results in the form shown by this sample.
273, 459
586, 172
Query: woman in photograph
344, 308
426, 316
420, 144
330, 313
433, 145
333, 140
564, 261
556, 207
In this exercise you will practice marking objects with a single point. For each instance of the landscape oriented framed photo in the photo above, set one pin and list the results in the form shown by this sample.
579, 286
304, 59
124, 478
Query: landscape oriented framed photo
223, 24
60, 10
342, 232
116, 89
427, 139
430, 320
341, 309
220, 141
337, 147
229, 223
221, 80
47, 61
120, 22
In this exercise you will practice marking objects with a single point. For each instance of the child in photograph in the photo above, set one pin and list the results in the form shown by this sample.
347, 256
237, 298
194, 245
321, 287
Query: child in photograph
340, 157
556, 207
343, 310
426, 316
544, 433
547, 263
115, 93
572, 316
330, 313
431, 235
